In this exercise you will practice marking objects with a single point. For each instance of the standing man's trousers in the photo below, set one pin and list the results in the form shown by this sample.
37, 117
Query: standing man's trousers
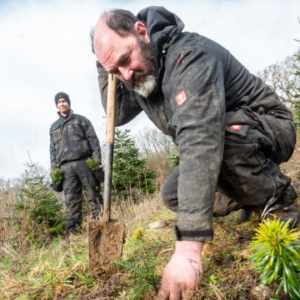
78, 174
255, 145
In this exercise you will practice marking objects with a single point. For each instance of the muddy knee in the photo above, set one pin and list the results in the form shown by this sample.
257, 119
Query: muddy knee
223, 205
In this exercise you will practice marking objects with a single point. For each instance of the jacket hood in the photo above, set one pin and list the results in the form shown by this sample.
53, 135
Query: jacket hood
163, 28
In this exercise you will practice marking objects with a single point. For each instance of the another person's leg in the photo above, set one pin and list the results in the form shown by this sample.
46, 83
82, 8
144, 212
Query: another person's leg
73, 197
92, 186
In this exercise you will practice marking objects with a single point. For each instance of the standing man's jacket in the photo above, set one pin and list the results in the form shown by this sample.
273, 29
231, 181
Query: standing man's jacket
72, 138
199, 81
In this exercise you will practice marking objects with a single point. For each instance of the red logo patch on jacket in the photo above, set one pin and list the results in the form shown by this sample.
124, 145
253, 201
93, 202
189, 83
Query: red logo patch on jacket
180, 98
236, 127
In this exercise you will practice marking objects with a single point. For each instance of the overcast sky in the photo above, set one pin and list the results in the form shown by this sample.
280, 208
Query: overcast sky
45, 48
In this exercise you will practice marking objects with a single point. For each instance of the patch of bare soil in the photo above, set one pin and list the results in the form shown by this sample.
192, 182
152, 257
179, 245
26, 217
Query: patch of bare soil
105, 244
109, 290
197, 295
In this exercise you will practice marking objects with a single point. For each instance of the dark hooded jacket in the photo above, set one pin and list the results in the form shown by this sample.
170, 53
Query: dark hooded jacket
72, 138
199, 81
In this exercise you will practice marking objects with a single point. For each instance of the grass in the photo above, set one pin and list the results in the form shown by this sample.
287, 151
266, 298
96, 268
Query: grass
58, 268
48, 271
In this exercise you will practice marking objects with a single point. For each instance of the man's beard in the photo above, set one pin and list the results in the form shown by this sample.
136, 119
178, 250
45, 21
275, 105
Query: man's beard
147, 79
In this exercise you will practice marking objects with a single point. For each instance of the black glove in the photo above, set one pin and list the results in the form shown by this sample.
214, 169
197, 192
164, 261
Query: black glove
57, 187
100, 175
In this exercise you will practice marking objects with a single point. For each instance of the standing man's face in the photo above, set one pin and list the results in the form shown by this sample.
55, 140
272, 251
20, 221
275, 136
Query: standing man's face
63, 106
129, 57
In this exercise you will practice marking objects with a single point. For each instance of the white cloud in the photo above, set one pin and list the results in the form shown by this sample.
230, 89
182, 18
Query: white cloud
45, 48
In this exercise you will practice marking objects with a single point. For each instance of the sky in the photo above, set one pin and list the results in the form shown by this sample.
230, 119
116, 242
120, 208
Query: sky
45, 48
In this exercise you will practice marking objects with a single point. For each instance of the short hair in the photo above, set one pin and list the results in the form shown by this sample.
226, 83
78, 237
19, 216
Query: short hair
120, 21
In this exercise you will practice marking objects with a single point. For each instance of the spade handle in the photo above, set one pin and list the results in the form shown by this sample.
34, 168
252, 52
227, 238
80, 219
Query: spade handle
109, 140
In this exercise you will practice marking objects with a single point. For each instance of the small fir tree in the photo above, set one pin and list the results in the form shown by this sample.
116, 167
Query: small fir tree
43, 206
130, 173
57, 176
277, 256
93, 164
174, 160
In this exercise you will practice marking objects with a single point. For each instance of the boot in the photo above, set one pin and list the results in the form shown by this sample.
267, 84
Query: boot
245, 215
285, 209
286, 213
247, 211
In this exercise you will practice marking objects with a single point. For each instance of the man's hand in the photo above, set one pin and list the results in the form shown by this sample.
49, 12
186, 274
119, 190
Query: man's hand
184, 271
100, 174
57, 187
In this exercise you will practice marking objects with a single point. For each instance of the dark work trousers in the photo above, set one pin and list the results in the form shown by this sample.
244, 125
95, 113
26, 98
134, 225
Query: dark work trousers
78, 174
254, 147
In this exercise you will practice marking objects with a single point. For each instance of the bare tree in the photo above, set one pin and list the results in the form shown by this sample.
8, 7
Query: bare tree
283, 80
151, 141
156, 146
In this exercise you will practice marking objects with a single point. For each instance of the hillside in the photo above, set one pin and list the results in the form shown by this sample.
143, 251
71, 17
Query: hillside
57, 268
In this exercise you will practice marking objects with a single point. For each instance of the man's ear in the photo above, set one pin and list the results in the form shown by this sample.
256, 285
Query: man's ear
141, 29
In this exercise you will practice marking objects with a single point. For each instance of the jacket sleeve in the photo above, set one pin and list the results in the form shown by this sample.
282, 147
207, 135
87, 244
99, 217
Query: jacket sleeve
195, 87
127, 107
93, 140
52, 152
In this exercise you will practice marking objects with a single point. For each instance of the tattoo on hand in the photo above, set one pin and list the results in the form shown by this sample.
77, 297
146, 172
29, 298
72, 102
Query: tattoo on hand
196, 267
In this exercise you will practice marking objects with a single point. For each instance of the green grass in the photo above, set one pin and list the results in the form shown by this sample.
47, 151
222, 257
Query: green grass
45, 272
60, 268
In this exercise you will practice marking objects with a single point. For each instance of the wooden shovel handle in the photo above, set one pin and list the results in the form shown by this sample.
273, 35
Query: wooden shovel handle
111, 109
109, 140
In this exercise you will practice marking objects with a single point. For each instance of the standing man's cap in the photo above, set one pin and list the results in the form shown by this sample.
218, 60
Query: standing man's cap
62, 95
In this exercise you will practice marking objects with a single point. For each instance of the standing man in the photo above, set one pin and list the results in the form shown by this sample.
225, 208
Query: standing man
232, 131
72, 141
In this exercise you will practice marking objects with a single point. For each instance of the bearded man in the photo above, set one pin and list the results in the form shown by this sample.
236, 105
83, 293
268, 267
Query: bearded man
231, 130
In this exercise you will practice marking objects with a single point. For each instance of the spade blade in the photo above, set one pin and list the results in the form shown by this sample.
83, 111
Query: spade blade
105, 244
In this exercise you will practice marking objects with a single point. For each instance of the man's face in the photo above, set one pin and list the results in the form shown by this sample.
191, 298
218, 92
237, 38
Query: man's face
63, 106
129, 57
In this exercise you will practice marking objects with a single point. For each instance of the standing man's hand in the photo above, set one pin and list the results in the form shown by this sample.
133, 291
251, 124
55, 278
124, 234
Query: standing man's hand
100, 174
57, 187
184, 271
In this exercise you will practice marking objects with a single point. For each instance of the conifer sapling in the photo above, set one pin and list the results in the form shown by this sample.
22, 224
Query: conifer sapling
277, 256
93, 164
57, 176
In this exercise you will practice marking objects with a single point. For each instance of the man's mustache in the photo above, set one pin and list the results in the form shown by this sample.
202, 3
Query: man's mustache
135, 77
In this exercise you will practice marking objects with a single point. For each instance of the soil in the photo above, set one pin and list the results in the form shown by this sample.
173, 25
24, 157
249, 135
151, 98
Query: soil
105, 244
197, 295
